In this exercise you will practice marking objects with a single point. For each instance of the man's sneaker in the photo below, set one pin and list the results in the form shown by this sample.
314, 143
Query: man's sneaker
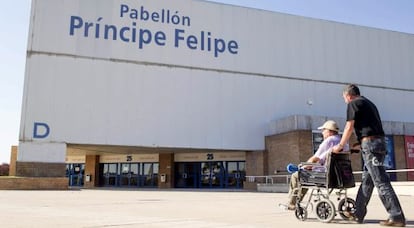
394, 223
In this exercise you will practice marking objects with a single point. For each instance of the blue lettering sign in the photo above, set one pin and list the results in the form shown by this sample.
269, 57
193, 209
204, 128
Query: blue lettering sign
134, 32
40, 130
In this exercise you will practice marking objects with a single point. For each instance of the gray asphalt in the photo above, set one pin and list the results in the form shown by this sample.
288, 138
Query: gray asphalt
172, 208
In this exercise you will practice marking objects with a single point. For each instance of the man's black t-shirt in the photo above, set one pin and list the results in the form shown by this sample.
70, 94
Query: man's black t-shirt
366, 117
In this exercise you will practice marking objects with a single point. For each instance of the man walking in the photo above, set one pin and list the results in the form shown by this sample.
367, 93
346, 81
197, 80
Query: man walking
363, 118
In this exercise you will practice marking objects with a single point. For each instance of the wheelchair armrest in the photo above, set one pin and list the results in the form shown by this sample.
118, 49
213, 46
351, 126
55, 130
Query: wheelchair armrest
308, 164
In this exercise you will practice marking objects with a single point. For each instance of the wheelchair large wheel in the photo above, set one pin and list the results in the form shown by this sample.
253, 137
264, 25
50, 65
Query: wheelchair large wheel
325, 210
346, 204
301, 213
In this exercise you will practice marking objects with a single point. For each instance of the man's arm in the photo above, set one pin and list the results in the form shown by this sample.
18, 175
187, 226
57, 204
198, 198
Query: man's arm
324, 148
313, 159
348, 130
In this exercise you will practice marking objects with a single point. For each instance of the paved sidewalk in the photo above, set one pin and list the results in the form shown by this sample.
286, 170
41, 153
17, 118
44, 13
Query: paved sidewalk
171, 208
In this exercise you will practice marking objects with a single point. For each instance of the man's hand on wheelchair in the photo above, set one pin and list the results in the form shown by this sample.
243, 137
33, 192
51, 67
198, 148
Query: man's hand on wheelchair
336, 149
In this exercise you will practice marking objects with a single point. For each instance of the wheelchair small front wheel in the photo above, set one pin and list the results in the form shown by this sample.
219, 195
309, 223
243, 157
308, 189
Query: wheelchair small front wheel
325, 210
346, 205
301, 213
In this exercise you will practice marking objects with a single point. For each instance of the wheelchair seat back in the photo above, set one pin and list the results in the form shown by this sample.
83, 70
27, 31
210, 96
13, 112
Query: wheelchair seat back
338, 173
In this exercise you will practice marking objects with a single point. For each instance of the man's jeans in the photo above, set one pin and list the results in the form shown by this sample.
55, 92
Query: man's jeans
374, 174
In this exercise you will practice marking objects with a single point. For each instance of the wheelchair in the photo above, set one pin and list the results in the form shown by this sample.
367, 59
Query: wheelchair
321, 181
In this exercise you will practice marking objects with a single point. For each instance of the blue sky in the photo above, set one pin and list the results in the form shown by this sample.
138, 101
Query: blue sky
395, 15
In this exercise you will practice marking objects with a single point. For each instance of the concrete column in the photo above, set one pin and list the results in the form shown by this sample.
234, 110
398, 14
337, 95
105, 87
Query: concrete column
13, 158
166, 167
91, 169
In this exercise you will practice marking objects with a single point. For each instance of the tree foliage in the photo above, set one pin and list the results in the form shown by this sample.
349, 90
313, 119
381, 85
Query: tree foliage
4, 169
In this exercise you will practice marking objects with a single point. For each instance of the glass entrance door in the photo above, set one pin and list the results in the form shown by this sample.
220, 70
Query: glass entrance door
212, 175
75, 172
129, 175
236, 174
110, 174
149, 175
187, 174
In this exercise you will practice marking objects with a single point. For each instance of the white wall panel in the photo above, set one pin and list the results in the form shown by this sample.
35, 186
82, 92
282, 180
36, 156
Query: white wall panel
116, 103
331, 51
41, 152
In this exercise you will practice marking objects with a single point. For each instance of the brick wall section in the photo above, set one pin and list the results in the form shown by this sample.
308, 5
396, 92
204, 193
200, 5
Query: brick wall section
40, 169
305, 145
92, 168
166, 166
285, 148
255, 166
33, 183
255, 163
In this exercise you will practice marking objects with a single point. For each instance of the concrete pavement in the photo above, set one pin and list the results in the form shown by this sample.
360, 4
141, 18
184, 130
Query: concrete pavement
172, 208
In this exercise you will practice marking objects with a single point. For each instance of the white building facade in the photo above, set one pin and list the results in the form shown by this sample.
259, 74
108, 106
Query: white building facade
138, 77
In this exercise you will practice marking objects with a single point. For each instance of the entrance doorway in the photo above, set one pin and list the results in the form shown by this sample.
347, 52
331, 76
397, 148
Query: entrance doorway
236, 174
212, 174
149, 175
110, 174
129, 175
75, 173
187, 174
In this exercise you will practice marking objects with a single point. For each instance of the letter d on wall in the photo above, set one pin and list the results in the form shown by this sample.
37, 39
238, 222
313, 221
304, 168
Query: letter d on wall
40, 130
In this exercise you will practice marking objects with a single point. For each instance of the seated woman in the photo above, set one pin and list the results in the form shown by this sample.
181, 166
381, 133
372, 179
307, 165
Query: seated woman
330, 138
